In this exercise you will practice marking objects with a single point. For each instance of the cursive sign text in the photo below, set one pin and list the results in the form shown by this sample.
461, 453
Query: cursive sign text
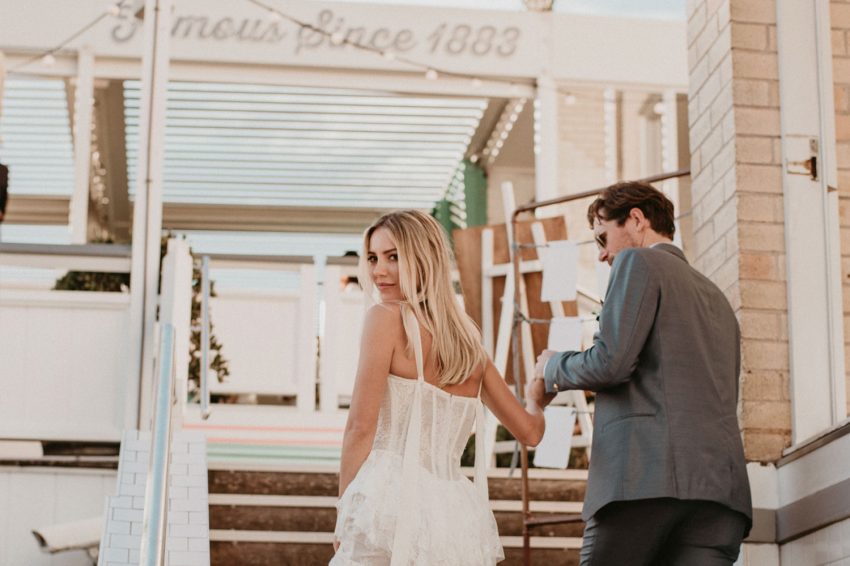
331, 31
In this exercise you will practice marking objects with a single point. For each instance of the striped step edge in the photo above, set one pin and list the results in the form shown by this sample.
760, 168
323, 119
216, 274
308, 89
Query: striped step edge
312, 467
324, 502
292, 537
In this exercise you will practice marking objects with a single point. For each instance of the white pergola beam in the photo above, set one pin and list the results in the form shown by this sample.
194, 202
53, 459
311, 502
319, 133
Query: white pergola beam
147, 214
83, 112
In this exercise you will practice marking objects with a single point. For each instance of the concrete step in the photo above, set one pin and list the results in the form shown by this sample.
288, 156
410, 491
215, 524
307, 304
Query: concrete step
246, 553
544, 485
284, 514
318, 514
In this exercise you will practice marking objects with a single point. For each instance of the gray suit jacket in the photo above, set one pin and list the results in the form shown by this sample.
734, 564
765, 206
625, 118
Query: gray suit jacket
664, 366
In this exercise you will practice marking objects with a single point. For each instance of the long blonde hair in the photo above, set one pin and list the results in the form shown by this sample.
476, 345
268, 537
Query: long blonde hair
424, 262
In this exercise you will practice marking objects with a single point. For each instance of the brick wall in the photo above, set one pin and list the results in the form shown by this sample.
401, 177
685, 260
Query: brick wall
840, 23
733, 113
187, 537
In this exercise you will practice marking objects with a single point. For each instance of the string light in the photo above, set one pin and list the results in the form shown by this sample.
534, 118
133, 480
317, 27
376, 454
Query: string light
275, 15
431, 73
499, 135
46, 57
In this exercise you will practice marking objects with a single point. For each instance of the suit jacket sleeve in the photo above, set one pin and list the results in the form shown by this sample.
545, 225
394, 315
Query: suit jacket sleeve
625, 322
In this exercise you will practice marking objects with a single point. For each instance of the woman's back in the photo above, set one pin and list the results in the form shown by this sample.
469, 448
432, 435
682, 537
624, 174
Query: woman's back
410, 503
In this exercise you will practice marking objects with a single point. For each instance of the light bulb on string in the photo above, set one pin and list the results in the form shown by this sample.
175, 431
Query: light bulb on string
388, 55
476, 82
431, 75
337, 38
113, 10
273, 16
48, 60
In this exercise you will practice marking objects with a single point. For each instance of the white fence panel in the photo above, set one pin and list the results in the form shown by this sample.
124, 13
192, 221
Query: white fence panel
63, 364
269, 339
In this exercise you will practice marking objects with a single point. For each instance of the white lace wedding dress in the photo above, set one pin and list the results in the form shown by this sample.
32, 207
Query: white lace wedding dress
409, 503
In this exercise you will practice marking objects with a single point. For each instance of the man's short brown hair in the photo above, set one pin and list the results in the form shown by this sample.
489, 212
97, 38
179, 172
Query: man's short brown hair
615, 203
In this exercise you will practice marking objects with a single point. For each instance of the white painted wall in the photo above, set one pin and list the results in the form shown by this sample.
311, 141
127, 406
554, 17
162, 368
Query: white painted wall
64, 361
38, 497
829, 546
760, 555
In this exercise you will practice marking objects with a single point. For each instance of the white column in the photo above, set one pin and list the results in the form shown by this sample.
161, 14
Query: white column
147, 212
307, 333
546, 139
83, 107
816, 341
176, 309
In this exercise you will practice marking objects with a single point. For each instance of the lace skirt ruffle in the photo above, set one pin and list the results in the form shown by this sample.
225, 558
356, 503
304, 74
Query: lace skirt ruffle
453, 525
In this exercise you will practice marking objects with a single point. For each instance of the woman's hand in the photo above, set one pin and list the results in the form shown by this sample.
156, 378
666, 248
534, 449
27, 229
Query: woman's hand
535, 392
336, 545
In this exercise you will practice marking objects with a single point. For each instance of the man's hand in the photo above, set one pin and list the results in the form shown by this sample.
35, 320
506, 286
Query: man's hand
535, 392
541, 362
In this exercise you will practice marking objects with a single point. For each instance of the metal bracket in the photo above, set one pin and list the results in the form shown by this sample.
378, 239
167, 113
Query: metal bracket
809, 167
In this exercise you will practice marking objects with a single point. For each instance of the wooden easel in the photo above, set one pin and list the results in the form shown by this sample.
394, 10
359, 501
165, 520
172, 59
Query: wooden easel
499, 351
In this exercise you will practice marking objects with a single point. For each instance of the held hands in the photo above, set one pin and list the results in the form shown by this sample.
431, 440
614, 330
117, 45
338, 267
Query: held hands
536, 389
541, 362
535, 392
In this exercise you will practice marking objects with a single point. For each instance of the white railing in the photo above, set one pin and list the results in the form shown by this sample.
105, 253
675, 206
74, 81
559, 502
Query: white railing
267, 329
63, 352
152, 551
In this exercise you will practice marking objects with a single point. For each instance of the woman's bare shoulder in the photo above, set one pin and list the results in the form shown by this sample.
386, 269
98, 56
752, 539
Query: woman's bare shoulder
383, 317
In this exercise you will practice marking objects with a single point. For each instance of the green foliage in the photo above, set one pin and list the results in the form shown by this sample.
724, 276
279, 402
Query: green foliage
93, 281
217, 362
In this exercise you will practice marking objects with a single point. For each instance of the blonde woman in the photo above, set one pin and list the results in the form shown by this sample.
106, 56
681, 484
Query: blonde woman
420, 382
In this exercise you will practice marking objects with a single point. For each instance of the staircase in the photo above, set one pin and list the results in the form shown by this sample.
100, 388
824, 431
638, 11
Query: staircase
264, 515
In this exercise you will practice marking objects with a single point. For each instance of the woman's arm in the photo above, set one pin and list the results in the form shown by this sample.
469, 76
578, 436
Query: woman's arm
380, 331
526, 424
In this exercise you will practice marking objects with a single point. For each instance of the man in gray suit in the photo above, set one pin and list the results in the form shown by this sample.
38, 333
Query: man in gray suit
668, 481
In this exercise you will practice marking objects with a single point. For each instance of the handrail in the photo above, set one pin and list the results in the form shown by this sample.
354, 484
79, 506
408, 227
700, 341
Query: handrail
156, 489
113, 258
88, 250
258, 258
205, 337
519, 317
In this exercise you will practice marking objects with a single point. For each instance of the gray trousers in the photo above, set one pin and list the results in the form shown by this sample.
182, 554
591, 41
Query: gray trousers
663, 532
